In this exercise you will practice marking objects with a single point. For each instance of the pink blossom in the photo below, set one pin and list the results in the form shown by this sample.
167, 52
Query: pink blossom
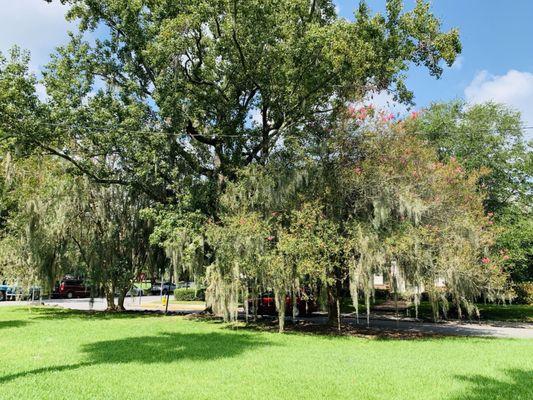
485, 260
506, 257
387, 118
270, 238
415, 114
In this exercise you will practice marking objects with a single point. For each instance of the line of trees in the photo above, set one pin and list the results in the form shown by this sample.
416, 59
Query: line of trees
228, 139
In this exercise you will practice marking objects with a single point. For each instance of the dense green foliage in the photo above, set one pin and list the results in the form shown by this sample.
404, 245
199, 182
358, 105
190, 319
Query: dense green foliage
180, 95
224, 141
60, 354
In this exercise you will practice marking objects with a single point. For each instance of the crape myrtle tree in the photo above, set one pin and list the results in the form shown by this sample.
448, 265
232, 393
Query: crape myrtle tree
490, 136
370, 197
420, 220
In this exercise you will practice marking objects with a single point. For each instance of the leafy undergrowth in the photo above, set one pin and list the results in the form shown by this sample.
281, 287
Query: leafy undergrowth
49, 353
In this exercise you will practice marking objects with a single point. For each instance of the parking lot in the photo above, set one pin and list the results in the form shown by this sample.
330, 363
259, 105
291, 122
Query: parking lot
99, 304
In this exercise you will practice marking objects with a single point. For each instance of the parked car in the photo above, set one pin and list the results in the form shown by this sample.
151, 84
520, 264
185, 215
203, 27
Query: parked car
19, 293
266, 305
185, 285
3, 291
70, 288
168, 287
135, 291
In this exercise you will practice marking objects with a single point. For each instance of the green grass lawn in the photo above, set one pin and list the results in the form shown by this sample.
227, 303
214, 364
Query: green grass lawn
48, 353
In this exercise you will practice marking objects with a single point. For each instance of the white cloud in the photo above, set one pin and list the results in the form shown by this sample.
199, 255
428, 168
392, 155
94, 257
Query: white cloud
515, 89
34, 25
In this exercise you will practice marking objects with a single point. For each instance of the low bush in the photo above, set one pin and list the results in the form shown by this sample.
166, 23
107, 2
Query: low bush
524, 293
189, 294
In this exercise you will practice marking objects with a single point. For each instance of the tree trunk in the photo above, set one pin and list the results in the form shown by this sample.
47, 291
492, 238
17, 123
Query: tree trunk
280, 295
121, 298
334, 293
246, 301
110, 298
294, 306
333, 310
281, 315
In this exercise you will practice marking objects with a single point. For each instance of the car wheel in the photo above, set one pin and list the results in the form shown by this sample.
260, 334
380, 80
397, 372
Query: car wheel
70, 295
2, 296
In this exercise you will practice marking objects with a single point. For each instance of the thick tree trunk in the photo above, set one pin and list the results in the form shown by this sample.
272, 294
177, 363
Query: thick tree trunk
121, 298
334, 293
280, 295
333, 316
110, 298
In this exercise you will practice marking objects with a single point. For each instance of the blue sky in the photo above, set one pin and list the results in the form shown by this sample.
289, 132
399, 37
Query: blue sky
496, 63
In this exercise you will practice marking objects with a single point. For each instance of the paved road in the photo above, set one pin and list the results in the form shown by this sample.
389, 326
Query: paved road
136, 303
131, 303
486, 329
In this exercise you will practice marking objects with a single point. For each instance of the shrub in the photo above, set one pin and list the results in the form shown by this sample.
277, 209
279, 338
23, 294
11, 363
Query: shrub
189, 294
524, 293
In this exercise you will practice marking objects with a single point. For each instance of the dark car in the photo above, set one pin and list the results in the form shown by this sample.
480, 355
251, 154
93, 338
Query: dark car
168, 287
70, 288
266, 305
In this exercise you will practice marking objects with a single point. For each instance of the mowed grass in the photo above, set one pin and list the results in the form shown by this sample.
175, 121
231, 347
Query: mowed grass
48, 353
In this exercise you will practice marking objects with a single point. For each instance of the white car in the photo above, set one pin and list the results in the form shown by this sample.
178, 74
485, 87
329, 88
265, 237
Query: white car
134, 291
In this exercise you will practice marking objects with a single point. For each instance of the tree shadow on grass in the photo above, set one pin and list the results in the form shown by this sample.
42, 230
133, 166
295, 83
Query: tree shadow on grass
518, 385
375, 332
13, 324
162, 348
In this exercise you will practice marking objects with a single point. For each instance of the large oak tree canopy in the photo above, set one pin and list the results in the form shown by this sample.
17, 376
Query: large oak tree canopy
185, 89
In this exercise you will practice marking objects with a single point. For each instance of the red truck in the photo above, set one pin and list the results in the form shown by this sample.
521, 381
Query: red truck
266, 305
70, 288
